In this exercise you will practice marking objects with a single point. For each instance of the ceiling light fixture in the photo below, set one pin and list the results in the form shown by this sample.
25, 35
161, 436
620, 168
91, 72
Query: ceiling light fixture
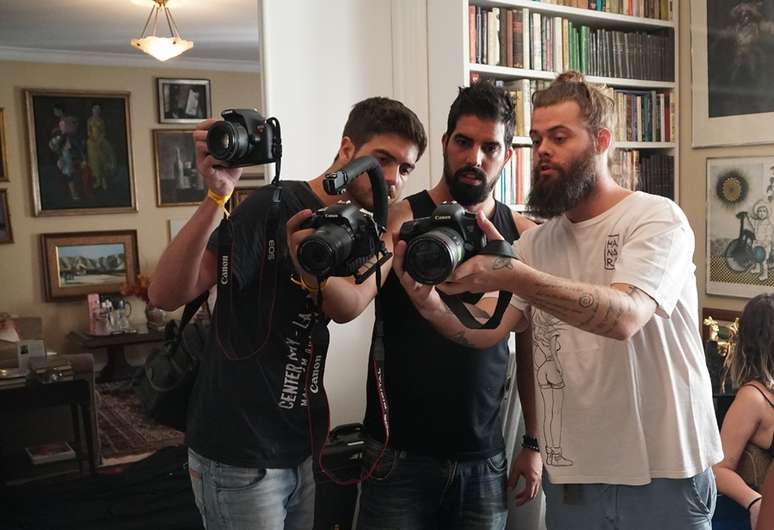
162, 48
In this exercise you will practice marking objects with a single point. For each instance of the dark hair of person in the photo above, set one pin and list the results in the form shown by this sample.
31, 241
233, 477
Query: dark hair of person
597, 108
752, 358
485, 101
380, 115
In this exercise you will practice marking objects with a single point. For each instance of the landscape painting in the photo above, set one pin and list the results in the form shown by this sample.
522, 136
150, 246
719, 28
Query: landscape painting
77, 264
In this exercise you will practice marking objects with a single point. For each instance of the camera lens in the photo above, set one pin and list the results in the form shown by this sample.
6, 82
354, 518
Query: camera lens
431, 257
329, 246
227, 141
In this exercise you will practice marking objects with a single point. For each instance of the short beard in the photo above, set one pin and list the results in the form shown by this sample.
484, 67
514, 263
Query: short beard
562, 193
465, 194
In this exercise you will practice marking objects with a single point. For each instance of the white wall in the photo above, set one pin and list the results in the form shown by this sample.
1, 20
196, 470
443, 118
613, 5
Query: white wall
319, 59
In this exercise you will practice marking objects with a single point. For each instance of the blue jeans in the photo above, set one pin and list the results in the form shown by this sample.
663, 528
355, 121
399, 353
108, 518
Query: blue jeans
411, 492
243, 498
664, 504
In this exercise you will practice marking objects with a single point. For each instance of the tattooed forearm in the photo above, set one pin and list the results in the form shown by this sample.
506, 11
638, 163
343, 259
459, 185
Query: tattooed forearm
460, 338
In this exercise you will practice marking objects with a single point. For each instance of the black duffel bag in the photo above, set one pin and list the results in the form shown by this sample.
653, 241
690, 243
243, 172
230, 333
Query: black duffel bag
169, 373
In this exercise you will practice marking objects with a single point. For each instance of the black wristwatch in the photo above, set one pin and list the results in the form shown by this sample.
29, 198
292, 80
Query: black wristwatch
530, 442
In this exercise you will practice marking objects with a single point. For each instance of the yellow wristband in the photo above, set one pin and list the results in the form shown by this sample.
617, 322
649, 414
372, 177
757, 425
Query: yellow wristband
299, 280
220, 200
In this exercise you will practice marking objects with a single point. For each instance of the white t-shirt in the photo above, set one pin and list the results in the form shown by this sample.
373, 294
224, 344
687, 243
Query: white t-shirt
623, 412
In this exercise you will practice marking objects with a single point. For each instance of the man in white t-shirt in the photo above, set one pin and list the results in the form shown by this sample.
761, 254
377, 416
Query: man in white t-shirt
628, 432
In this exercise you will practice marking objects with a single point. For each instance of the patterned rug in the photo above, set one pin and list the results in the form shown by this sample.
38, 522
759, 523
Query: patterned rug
123, 428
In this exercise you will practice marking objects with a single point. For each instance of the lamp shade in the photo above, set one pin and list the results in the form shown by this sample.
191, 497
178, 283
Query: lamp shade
162, 48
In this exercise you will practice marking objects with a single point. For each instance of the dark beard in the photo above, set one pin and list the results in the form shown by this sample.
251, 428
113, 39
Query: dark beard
465, 194
551, 198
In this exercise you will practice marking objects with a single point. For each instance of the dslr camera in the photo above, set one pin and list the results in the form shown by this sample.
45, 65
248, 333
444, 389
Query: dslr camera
344, 239
437, 244
244, 138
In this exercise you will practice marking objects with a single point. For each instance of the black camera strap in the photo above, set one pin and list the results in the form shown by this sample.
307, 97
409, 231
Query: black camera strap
319, 410
229, 334
456, 303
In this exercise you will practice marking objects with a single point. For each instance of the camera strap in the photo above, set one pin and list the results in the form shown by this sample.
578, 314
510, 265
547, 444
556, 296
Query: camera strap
319, 410
456, 303
228, 332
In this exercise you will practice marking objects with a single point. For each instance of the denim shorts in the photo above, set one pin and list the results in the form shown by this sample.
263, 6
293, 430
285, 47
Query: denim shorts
413, 492
664, 504
243, 498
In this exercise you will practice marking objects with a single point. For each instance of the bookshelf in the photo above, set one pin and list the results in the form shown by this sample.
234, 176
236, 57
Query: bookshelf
634, 55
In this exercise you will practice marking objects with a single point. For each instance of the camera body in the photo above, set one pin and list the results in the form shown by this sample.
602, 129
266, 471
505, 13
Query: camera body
345, 238
437, 244
243, 138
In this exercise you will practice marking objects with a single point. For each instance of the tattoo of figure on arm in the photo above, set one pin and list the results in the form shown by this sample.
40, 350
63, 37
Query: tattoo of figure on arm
501, 262
460, 338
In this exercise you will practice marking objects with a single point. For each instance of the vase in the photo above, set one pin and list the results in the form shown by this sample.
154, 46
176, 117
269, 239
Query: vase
154, 317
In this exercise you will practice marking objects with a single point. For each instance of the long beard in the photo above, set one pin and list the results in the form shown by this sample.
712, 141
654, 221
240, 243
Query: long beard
551, 197
465, 194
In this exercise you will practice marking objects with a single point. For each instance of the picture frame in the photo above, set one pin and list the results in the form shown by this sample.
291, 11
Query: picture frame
178, 181
239, 195
732, 66
739, 226
6, 233
76, 264
3, 149
80, 152
183, 100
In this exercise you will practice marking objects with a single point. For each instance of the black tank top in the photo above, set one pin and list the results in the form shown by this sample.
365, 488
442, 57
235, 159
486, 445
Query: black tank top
444, 398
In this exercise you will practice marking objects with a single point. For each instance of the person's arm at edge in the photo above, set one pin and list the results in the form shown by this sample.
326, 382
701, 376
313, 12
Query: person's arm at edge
528, 463
739, 425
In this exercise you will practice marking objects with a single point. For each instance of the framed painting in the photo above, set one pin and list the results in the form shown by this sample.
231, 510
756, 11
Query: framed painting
740, 229
80, 152
6, 235
3, 149
78, 263
732, 65
239, 195
183, 100
178, 182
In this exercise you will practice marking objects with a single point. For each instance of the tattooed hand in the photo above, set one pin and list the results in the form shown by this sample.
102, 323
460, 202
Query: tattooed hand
482, 274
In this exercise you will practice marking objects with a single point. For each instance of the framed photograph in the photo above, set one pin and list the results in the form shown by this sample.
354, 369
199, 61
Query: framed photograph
740, 228
732, 64
6, 235
239, 195
184, 100
78, 263
178, 182
80, 152
3, 149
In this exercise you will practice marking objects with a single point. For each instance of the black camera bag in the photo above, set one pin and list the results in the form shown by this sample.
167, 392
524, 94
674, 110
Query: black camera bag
169, 372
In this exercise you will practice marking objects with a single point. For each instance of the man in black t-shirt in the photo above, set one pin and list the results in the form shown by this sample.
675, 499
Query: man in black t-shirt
247, 433
445, 465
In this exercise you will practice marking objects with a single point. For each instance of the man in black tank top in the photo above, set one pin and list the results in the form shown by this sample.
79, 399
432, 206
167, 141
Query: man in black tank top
445, 465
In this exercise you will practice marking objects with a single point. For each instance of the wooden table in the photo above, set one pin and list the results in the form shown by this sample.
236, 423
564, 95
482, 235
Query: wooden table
76, 393
117, 367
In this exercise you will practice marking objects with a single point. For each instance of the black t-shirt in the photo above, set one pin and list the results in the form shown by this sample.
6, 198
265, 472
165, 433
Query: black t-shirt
249, 409
444, 398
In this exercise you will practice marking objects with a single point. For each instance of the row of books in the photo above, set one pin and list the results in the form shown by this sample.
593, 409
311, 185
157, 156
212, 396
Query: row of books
641, 115
632, 168
660, 9
515, 178
644, 116
649, 172
519, 38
